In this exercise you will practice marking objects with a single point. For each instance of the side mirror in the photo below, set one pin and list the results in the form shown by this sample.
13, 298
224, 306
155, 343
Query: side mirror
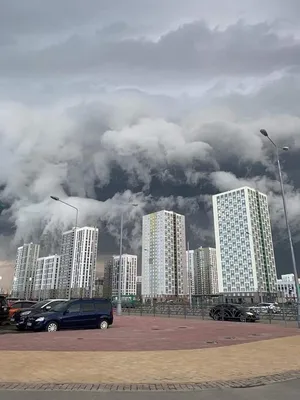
66, 312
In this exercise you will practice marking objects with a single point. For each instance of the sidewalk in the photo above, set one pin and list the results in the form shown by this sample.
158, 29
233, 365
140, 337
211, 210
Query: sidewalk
287, 390
171, 366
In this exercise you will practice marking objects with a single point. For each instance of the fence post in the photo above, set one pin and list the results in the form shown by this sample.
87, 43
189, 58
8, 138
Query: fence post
169, 310
184, 310
283, 308
202, 309
154, 309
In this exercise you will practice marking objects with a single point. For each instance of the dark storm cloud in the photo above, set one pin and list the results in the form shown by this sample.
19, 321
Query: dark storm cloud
193, 50
278, 96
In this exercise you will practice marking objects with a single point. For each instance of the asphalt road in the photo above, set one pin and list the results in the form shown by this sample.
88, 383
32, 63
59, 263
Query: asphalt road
288, 391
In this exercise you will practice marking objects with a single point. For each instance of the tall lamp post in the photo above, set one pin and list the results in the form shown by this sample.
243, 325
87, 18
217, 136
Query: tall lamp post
265, 133
119, 301
75, 238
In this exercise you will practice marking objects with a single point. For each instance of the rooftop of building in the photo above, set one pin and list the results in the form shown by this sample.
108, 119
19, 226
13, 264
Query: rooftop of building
238, 189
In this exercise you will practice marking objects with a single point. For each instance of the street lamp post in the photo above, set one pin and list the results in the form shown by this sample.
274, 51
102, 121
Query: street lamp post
75, 238
265, 133
119, 301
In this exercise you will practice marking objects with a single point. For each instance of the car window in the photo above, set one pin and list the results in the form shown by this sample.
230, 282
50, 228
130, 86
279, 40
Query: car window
74, 308
26, 305
54, 303
16, 305
87, 306
41, 304
102, 306
59, 306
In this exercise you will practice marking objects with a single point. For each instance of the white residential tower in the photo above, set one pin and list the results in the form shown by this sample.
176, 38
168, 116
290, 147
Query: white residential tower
46, 276
128, 275
206, 274
164, 271
25, 267
190, 268
244, 246
78, 260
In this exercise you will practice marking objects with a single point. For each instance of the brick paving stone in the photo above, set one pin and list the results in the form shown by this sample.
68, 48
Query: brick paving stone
242, 383
186, 366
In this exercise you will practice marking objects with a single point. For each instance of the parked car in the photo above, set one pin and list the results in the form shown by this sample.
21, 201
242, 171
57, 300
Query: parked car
20, 305
74, 314
11, 300
4, 309
20, 317
264, 308
232, 312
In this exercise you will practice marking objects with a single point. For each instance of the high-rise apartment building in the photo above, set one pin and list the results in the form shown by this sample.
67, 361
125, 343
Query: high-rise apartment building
190, 268
206, 274
25, 267
46, 277
78, 260
164, 271
128, 275
244, 245
286, 286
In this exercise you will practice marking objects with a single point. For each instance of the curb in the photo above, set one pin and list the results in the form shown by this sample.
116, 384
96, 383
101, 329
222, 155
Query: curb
164, 387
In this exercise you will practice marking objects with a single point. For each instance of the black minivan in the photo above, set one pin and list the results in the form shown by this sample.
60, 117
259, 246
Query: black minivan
74, 314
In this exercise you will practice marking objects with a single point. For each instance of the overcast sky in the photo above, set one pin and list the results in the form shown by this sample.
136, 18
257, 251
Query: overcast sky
158, 102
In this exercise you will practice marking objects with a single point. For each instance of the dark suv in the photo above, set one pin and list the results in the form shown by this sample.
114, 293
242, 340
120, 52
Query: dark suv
74, 314
4, 309
233, 312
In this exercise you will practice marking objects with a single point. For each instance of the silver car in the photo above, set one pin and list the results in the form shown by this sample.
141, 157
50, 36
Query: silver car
265, 308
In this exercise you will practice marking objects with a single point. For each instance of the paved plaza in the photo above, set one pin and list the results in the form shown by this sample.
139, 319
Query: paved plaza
158, 353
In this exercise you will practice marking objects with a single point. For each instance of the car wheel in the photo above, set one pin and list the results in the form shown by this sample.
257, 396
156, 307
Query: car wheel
52, 326
103, 324
243, 318
20, 328
216, 317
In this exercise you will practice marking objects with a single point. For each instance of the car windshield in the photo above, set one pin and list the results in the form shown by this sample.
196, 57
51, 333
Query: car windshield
60, 306
239, 306
40, 304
